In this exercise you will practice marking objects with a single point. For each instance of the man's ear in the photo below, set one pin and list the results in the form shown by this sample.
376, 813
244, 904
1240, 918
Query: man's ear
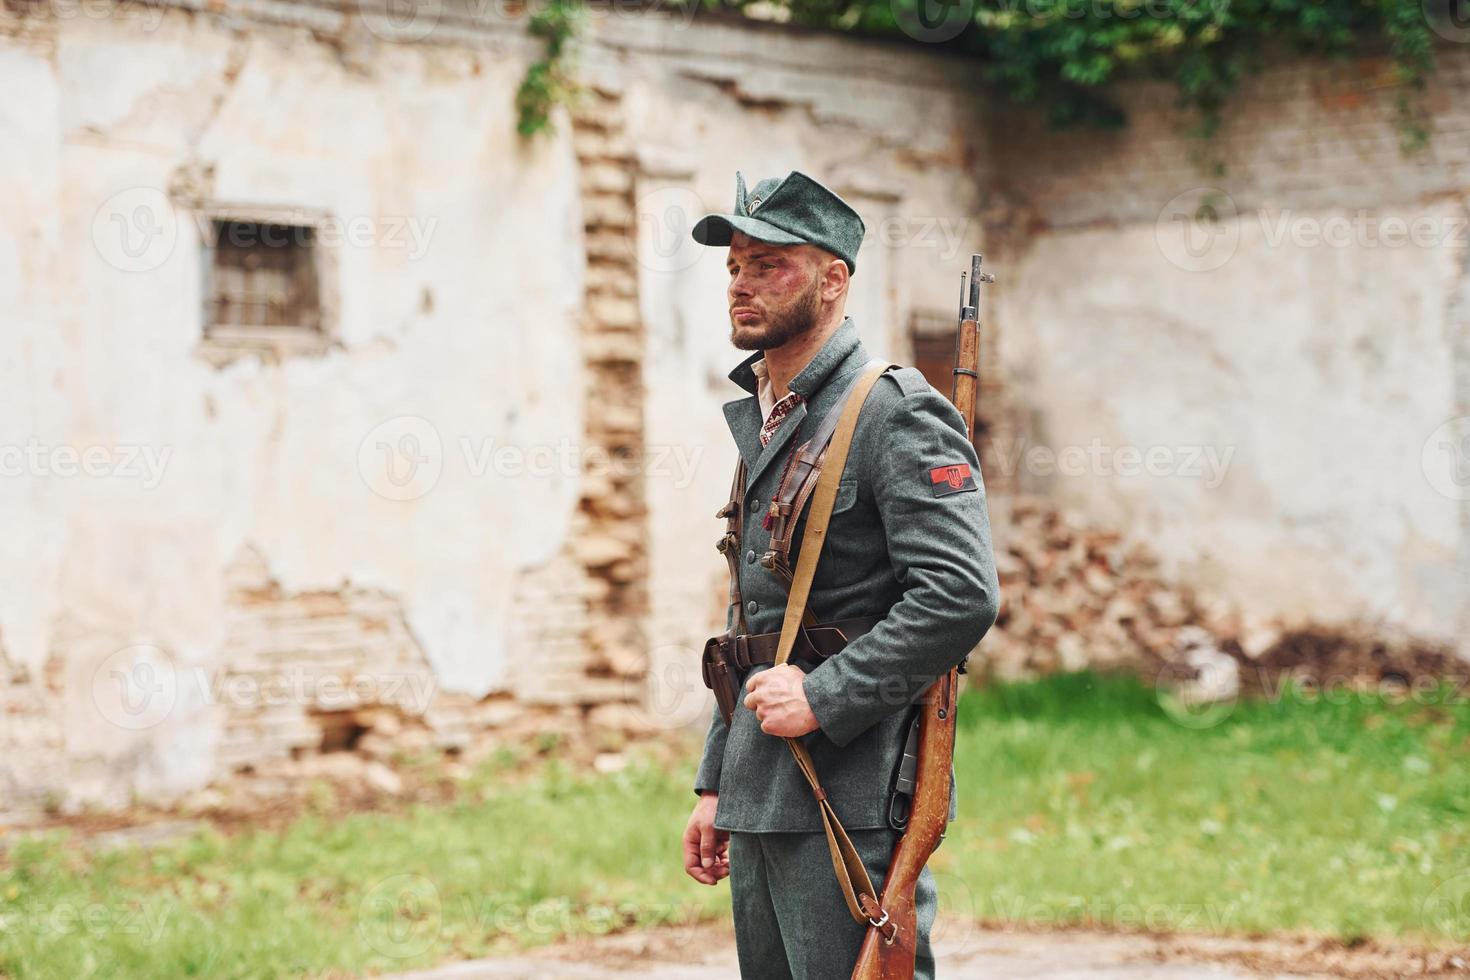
834, 276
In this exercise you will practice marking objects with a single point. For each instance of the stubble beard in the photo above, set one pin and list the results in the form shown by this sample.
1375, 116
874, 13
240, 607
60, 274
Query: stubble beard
783, 325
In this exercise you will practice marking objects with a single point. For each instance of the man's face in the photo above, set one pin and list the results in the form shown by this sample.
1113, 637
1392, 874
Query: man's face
774, 292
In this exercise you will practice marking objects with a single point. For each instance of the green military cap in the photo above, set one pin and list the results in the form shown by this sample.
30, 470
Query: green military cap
793, 211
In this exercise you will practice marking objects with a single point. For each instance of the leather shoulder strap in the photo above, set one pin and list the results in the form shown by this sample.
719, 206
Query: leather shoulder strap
852, 875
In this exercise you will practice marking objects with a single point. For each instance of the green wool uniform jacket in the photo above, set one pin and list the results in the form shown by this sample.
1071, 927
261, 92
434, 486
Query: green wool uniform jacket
905, 543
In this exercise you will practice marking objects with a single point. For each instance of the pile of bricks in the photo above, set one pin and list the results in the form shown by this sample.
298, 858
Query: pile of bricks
1074, 597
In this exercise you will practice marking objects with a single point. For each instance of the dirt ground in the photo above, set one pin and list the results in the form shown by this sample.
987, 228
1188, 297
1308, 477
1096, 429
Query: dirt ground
970, 952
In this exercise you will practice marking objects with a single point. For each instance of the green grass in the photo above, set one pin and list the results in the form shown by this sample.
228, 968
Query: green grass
1081, 802
373, 892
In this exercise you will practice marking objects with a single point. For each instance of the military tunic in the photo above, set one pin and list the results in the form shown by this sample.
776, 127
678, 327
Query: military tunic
909, 539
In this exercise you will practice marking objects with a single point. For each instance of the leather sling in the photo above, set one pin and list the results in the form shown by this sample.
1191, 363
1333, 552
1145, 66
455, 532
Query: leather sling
852, 876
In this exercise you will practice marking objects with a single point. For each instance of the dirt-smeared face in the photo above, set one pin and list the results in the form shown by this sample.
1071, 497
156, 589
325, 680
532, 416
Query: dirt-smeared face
774, 294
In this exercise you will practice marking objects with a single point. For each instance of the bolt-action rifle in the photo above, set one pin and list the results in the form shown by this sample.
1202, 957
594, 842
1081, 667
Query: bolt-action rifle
888, 949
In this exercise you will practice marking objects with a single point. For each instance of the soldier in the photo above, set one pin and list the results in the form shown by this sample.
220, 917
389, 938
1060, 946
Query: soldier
907, 550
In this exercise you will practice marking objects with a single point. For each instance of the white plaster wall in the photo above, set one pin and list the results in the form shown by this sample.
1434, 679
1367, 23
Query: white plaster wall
463, 331
1313, 375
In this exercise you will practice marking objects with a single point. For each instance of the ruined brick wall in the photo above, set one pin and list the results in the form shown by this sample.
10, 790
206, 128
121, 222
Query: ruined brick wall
1276, 315
335, 520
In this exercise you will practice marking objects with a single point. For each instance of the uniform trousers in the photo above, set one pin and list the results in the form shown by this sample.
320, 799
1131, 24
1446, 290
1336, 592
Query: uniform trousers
791, 922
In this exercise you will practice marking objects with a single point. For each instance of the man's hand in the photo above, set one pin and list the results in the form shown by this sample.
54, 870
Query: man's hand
779, 701
706, 850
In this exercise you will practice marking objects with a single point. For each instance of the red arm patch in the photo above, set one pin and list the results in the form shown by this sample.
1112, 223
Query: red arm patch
951, 479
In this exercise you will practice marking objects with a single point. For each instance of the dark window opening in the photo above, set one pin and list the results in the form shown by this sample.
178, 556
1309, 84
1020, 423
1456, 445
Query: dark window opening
263, 274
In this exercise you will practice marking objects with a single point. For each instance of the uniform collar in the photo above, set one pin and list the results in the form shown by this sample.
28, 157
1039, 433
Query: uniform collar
844, 341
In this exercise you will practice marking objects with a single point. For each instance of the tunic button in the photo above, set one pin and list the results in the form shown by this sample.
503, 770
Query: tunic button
750, 558
755, 504
751, 607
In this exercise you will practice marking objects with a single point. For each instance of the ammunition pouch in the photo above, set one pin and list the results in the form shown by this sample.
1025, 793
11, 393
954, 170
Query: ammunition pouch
718, 667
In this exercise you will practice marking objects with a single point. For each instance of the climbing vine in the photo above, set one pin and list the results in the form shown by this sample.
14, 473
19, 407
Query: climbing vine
548, 81
1064, 54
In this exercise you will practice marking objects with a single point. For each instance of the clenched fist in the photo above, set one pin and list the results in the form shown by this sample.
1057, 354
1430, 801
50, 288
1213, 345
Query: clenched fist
779, 701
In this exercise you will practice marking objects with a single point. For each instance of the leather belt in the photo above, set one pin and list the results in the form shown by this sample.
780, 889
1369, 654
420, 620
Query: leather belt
814, 644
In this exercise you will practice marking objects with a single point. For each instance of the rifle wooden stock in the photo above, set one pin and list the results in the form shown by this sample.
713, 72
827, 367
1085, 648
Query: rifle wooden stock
888, 951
